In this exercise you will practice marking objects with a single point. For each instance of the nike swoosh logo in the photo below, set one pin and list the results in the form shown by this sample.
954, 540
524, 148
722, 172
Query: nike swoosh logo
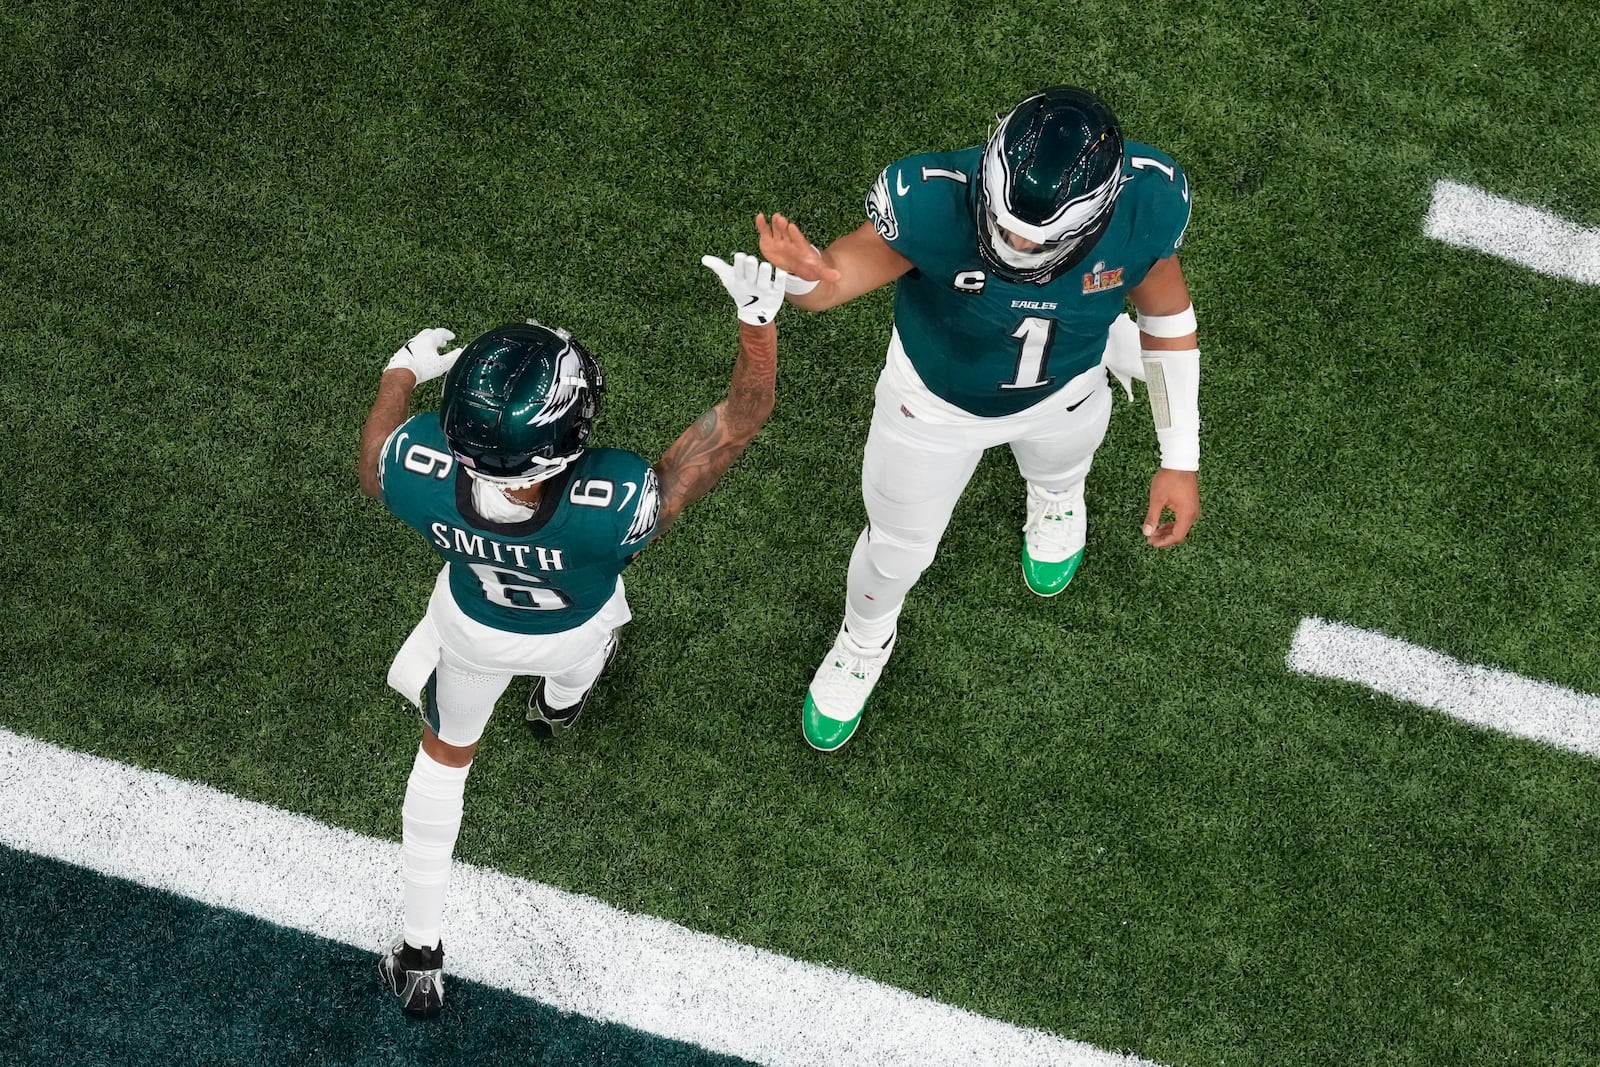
900, 185
1079, 404
753, 298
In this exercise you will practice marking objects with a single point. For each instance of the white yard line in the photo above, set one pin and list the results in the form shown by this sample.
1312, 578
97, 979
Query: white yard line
1468, 217
1483, 696
560, 948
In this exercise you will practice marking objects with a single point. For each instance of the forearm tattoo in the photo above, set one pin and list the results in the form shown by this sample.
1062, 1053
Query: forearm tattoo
719, 437
696, 460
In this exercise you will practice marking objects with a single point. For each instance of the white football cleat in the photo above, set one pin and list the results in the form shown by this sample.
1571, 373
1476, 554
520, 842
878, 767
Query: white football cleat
839, 691
1053, 539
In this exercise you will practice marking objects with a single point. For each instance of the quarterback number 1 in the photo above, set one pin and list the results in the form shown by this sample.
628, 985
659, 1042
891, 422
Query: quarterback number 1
1146, 163
1035, 334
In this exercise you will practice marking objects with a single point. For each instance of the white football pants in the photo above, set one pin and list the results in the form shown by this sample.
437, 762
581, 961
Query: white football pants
474, 663
920, 454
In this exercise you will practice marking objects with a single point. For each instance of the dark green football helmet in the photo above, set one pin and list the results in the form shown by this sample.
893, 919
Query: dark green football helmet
1051, 171
519, 403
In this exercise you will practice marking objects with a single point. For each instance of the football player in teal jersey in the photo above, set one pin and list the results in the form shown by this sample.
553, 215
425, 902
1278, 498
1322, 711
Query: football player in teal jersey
534, 528
1013, 262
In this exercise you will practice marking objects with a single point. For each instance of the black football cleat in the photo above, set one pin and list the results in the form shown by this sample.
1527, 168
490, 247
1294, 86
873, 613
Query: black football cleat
416, 976
548, 722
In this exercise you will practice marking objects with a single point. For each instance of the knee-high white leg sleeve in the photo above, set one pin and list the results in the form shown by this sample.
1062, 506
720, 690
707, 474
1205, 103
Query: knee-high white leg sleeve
882, 572
431, 818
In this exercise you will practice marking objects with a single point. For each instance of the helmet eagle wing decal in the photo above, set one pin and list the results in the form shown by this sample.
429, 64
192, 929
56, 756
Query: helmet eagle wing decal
565, 392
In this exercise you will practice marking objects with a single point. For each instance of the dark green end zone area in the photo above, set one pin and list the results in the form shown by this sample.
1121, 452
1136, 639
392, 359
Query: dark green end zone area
102, 971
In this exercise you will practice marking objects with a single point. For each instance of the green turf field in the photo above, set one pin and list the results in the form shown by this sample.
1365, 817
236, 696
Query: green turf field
1114, 815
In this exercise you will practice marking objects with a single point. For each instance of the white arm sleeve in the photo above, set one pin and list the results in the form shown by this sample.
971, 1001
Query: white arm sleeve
1173, 382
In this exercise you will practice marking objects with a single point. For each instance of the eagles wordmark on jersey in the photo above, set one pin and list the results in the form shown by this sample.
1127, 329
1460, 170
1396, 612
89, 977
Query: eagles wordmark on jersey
992, 346
545, 574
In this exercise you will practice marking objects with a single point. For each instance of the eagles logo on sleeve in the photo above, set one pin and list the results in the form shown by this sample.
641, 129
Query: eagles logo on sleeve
647, 510
1178, 241
880, 209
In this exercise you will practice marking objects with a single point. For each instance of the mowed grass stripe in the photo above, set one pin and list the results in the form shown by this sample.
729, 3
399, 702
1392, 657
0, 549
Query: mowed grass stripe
1483, 696
1468, 217
562, 949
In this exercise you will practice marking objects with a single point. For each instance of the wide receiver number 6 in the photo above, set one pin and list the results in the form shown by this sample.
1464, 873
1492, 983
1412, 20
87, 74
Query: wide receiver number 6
514, 589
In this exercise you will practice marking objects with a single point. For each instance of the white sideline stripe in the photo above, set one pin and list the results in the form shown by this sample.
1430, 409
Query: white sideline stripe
566, 950
1468, 217
1483, 696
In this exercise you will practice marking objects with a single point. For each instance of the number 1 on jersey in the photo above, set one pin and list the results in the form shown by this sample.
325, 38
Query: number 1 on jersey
1035, 334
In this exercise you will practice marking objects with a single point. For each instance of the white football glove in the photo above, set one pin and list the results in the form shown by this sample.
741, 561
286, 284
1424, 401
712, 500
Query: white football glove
421, 355
756, 288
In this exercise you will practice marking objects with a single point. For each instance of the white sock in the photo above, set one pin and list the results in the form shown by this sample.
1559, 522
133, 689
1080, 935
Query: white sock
431, 818
559, 697
1067, 491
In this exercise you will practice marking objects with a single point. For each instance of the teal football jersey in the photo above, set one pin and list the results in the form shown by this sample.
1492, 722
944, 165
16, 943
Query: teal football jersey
545, 574
993, 347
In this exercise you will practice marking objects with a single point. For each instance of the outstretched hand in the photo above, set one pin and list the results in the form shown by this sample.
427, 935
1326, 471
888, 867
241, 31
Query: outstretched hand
1176, 491
421, 355
785, 247
757, 289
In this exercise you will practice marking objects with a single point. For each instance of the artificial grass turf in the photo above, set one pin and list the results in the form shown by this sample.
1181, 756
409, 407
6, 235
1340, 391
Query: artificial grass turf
1113, 814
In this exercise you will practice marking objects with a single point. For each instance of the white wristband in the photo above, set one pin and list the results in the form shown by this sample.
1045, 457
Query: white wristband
801, 286
1173, 381
1179, 325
